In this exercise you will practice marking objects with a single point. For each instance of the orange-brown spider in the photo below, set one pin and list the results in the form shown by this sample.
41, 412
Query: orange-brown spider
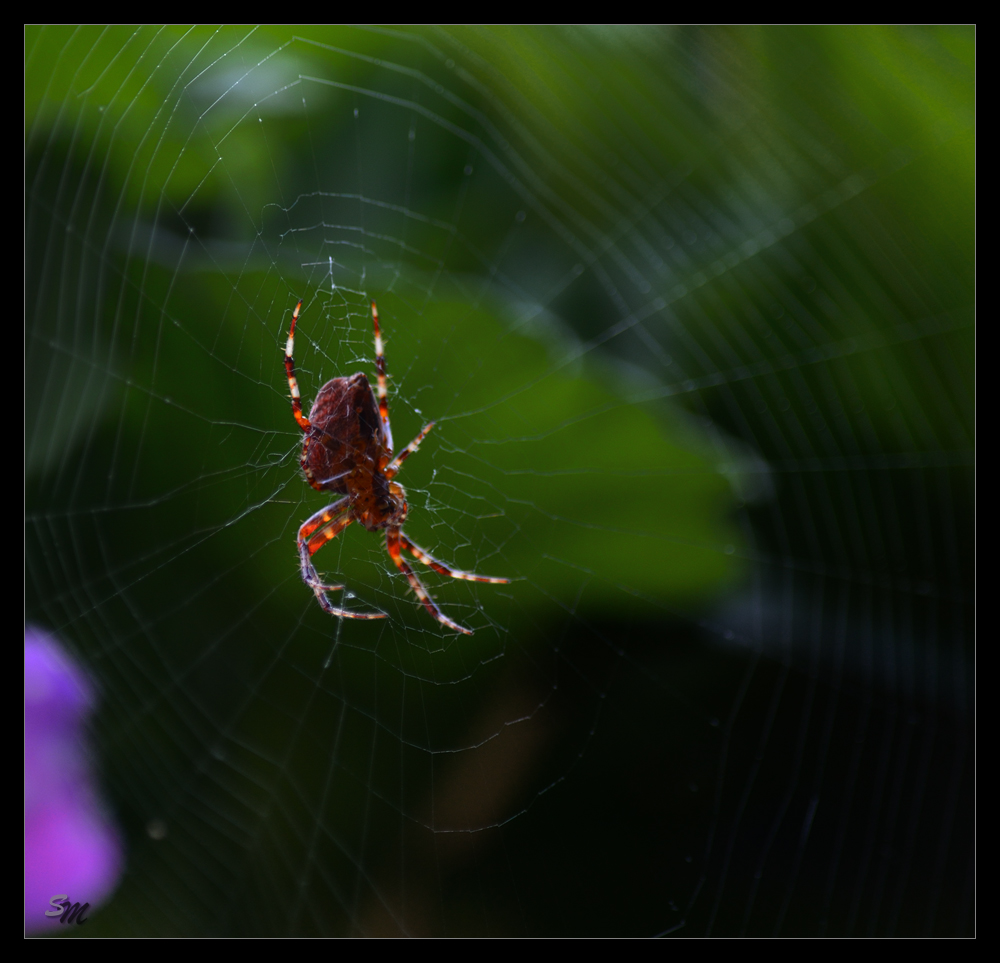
348, 450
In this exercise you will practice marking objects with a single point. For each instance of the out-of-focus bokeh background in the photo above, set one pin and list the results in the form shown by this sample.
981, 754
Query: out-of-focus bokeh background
693, 311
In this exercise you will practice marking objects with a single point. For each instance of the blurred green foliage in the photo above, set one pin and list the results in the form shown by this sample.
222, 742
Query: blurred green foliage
185, 359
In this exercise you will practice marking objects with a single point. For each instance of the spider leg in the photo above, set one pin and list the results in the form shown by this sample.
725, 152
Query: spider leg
421, 556
393, 467
293, 384
383, 395
315, 532
393, 538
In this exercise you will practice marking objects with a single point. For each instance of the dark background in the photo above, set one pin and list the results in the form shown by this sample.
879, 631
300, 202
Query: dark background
694, 310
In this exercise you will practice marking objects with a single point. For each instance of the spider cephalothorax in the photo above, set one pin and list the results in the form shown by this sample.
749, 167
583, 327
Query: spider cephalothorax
347, 450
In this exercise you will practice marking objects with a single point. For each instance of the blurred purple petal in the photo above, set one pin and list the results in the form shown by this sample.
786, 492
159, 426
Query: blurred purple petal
69, 845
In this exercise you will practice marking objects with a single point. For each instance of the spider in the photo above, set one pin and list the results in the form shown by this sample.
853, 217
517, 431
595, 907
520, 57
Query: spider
348, 450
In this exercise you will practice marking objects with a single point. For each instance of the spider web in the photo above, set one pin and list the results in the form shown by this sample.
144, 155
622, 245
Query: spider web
692, 312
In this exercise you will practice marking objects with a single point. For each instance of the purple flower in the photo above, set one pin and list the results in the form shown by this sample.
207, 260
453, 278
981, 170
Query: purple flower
70, 846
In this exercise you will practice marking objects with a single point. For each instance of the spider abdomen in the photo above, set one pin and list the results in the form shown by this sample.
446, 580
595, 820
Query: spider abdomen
345, 436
